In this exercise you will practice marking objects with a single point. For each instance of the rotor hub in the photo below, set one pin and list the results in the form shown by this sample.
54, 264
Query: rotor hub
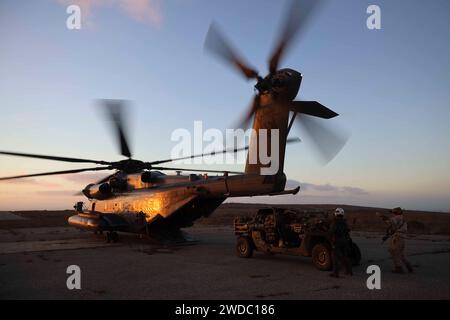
284, 84
129, 165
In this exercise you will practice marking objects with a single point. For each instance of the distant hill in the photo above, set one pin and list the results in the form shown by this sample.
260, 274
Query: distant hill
37, 219
359, 218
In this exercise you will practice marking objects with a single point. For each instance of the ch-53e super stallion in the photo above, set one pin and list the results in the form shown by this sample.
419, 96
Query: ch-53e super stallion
139, 198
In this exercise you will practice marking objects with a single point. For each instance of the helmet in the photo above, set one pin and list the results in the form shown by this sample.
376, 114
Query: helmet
339, 212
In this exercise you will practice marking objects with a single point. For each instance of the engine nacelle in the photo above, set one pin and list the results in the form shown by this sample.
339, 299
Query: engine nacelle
98, 191
118, 184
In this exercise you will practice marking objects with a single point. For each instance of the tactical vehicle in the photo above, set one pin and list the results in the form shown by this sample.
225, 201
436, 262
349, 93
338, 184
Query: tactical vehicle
285, 231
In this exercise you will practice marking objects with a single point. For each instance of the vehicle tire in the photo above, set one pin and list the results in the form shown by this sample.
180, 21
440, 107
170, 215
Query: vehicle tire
244, 247
355, 254
321, 256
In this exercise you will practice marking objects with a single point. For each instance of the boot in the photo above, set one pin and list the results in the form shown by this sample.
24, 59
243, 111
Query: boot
398, 270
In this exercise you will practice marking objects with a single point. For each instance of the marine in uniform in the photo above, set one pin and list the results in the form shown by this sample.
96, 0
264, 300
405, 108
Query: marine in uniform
340, 243
396, 232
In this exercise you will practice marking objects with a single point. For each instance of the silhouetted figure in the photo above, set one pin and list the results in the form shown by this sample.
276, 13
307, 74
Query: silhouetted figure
340, 243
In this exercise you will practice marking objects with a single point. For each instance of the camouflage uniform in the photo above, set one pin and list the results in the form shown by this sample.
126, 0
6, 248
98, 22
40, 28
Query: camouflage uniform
397, 243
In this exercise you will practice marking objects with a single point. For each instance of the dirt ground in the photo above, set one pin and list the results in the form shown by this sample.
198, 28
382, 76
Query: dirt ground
34, 256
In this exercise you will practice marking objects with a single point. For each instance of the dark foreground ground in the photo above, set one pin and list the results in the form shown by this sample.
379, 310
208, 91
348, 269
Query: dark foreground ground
33, 263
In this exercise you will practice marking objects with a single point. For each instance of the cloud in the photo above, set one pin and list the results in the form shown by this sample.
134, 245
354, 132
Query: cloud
58, 193
322, 189
30, 182
144, 11
311, 193
85, 178
355, 191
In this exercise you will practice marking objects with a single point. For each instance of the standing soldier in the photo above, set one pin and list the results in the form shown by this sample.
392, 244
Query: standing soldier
396, 231
340, 243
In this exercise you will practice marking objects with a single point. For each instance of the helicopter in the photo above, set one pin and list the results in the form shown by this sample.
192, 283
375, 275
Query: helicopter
139, 198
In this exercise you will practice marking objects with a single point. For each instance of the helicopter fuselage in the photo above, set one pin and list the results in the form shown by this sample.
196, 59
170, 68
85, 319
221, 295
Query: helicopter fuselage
170, 201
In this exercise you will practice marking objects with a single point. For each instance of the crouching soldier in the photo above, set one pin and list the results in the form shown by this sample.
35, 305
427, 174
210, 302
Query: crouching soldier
339, 233
397, 228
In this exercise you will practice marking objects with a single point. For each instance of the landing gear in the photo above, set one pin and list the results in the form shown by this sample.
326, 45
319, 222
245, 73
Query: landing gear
112, 236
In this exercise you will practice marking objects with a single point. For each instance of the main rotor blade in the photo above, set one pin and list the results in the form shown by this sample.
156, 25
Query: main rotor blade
312, 108
244, 123
56, 173
216, 43
214, 153
114, 109
196, 170
326, 140
296, 17
65, 159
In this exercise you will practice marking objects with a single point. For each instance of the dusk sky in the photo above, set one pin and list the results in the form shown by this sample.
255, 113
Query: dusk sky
391, 88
